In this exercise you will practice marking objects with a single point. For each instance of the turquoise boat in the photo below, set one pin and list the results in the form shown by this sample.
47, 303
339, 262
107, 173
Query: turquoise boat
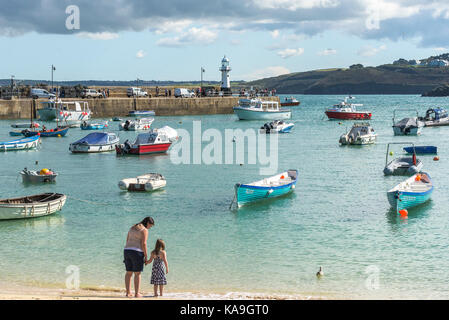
267, 188
412, 192
94, 126
20, 144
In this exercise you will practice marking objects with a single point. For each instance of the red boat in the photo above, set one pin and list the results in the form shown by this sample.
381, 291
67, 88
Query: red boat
290, 102
147, 143
347, 111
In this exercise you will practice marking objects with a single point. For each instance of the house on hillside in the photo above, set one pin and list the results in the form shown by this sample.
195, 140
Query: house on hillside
438, 63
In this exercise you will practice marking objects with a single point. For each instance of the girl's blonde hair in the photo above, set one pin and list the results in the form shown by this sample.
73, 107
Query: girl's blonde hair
160, 245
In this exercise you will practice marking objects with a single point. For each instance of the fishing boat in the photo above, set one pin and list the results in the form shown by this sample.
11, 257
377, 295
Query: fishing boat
41, 176
146, 182
45, 133
95, 142
20, 144
435, 117
412, 192
421, 150
277, 126
256, 109
360, 134
94, 126
141, 113
71, 113
290, 102
347, 111
407, 126
155, 141
275, 186
136, 125
403, 165
31, 206
25, 125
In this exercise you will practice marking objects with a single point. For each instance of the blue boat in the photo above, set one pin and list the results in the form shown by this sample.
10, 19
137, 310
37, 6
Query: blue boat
421, 149
20, 144
57, 132
94, 126
412, 192
267, 188
15, 133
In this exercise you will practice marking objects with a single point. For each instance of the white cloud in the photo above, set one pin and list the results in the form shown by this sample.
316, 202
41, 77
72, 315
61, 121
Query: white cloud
267, 72
140, 54
369, 51
192, 36
287, 53
293, 5
275, 34
177, 26
327, 52
98, 35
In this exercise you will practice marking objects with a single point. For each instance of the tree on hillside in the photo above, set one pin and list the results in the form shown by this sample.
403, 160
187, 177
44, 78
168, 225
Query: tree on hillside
356, 66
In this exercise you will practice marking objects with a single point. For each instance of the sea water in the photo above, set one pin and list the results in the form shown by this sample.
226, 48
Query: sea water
338, 216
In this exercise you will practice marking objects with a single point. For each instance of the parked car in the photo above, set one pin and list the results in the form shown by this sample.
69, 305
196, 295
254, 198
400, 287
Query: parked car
91, 93
183, 93
136, 92
37, 93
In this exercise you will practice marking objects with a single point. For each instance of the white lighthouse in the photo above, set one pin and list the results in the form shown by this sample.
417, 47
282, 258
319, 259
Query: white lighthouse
225, 81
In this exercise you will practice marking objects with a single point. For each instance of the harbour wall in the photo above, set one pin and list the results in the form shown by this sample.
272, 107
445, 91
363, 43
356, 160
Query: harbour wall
119, 107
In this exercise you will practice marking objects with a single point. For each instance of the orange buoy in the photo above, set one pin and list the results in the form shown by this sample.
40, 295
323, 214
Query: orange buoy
436, 158
403, 212
418, 177
282, 177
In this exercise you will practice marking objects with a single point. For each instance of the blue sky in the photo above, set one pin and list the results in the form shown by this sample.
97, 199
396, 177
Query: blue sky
125, 40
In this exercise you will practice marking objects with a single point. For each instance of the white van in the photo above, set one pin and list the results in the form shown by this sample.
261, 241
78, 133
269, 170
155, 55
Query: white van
37, 93
183, 93
136, 92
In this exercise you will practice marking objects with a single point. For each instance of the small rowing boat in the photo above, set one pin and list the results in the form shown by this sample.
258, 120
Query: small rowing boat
20, 144
94, 126
31, 206
275, 186
421, 150
32, 176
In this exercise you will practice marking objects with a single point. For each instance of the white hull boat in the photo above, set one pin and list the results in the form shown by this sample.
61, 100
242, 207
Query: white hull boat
360, 134
147, 182
95, 142
70, 113
256, 109
136, 125
407, 126
31, 206
277, 126
42, 176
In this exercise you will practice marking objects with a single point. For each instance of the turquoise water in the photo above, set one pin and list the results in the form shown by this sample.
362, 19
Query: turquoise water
338, 216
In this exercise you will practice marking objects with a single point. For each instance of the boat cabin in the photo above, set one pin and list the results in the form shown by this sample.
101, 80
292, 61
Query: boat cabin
361, 129
258, 104
436, 114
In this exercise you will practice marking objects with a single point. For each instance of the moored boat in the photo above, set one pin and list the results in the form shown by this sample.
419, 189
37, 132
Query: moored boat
277, 126
33, 176
155, 141
271, 187
45, 133
25, 125
347, 111
136, 125
256, 109
421, 150
435, 117
412, 192
95, 142
403, 165
146, 182
407, 126
290, 102
94, 126
71, 113
20, 144
360, 134
31, 206
141, 113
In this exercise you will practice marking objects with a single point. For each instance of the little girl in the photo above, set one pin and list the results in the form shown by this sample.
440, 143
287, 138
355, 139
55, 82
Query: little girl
157, 273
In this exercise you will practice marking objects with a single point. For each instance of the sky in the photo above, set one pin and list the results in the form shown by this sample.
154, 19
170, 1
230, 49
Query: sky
172, 40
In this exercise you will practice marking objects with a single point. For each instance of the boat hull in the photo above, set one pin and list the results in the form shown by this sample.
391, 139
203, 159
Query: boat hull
421, 150
289, 104
31, 210
249, 194
246, 114
348, 115
143, 149
411, 132
20, 144
85, 148
31, 178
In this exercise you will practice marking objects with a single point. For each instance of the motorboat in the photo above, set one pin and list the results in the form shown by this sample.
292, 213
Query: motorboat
403, 165
141, 113
290, 102
146, 182
94, 126
256, 109
360, 134
421, 150
20, 144
41, 176
95, 142
275, 186
435, 117
412, 192
347, 111
71, 113
407, 126
31, 206
155, 141
277, 126
45, 133
135, 125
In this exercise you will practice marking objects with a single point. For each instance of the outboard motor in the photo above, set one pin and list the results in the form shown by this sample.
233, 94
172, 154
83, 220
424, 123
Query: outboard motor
126, 126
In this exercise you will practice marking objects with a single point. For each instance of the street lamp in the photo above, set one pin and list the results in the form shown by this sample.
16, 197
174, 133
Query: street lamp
52, 69
202, 71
